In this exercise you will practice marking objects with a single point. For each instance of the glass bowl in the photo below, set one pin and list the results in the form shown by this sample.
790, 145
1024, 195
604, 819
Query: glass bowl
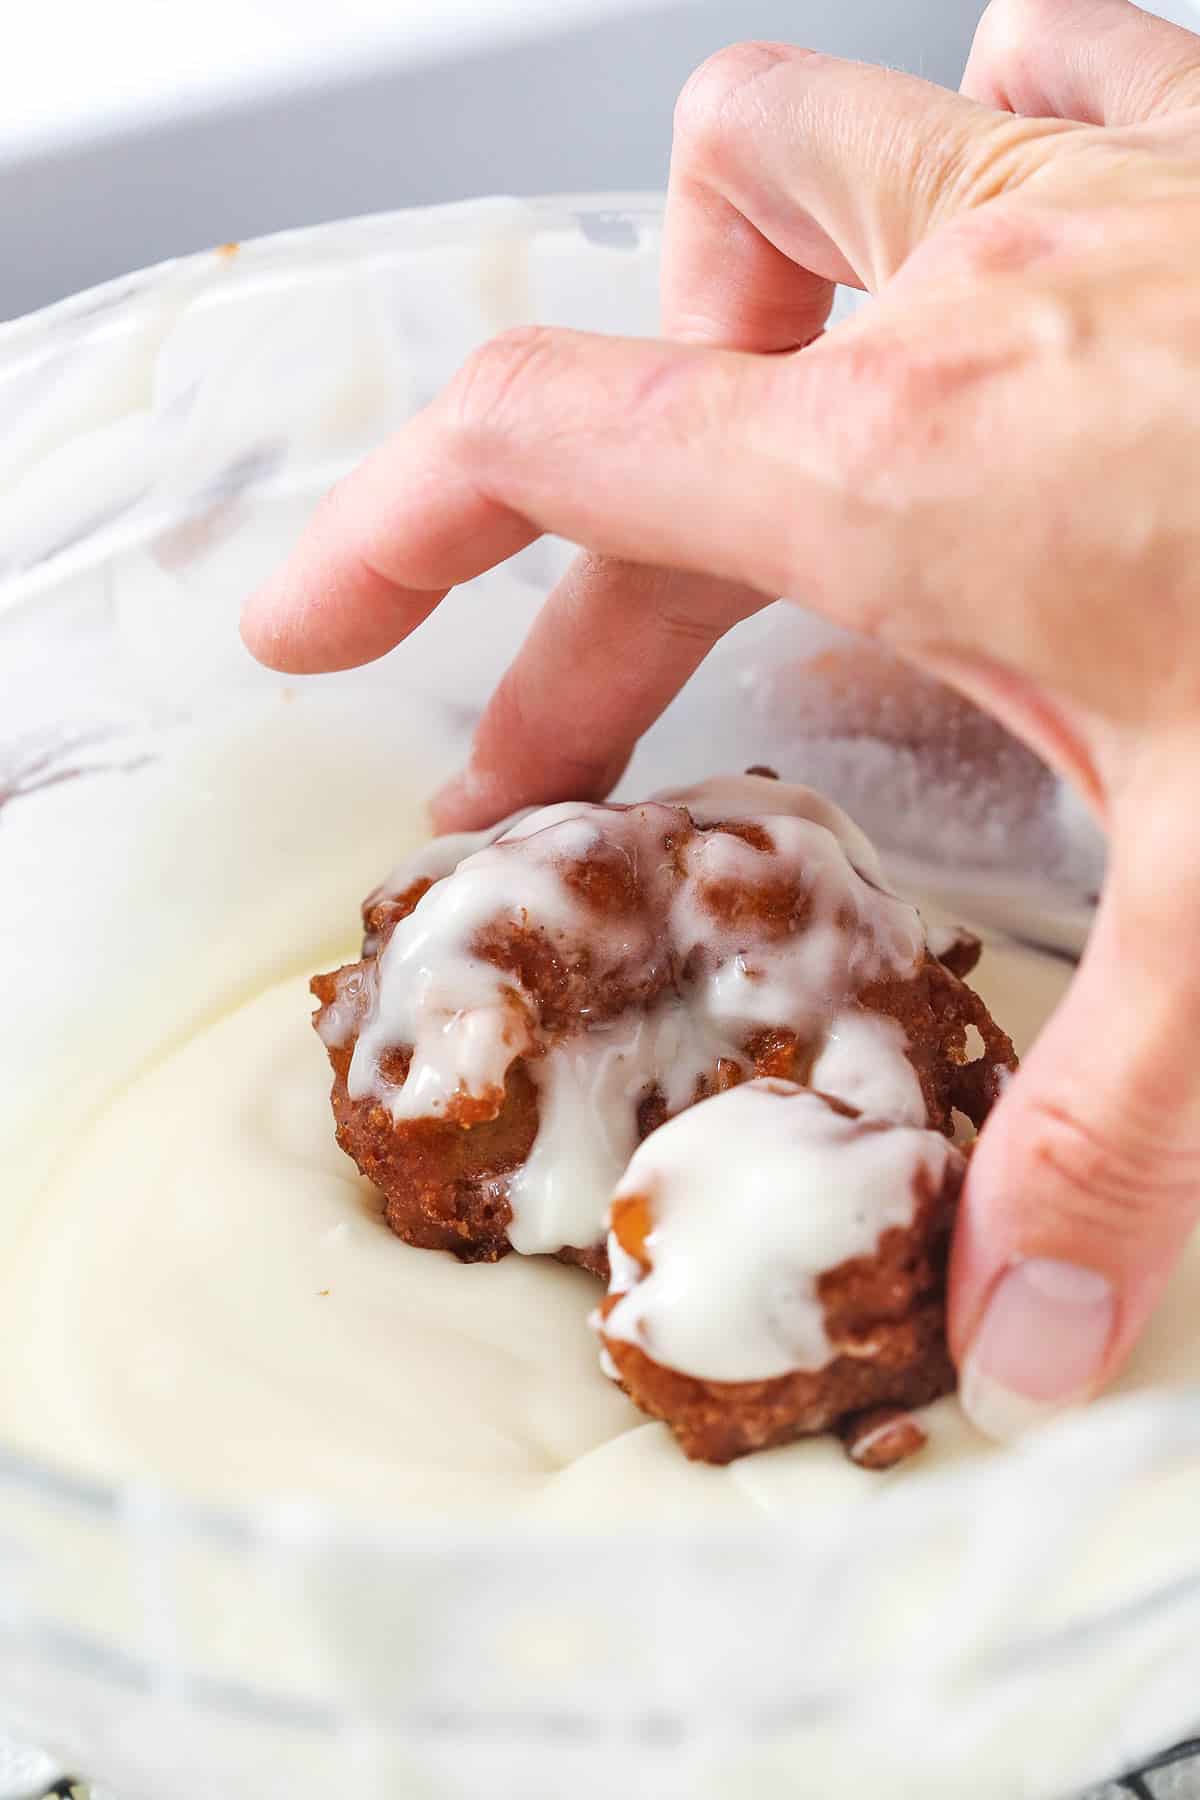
160, 441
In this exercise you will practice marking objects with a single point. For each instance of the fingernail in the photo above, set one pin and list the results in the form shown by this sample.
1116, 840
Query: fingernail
1041, 1346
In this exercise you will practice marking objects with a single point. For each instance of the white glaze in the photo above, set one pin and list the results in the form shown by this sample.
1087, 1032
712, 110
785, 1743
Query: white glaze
467, 1020
864, 1062
206, 1293
753, 1195
588, 1092
761, 796
440, 856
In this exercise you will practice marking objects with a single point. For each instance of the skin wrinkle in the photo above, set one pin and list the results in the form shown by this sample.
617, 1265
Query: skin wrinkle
491, 386
687, 629
998, 164
713, 96
1130, 174
721, 147
1115, 1185
1138, 86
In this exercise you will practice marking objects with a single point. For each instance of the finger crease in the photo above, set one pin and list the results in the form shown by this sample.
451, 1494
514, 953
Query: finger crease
686, 628
1117, 1186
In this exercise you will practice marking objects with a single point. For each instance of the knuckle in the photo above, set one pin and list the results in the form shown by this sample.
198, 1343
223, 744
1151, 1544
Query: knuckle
989, 160
686, 628
1105, 1183
996, 239
693, 614
706, 109
489, 390
866, 403
1009, 29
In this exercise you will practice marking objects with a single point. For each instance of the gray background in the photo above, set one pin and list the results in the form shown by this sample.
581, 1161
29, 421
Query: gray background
584, 108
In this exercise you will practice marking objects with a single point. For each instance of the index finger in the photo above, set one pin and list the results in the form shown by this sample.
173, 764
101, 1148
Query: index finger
647, 452
616, 444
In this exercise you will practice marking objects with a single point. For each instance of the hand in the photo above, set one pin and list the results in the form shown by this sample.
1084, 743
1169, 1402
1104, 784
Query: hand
993, 470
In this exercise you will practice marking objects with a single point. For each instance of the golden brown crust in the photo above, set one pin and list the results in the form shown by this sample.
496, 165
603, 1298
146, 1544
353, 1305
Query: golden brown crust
445, 1181
885, 1319
881, 1438
936, 1010
961, 953
381, 913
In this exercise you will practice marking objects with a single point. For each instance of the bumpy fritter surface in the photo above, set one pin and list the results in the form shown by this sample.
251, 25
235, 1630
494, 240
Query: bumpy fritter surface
885, 1319
445, 1180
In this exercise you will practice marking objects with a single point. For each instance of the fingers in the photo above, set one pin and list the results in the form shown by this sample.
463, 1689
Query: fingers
610, 650
618, 445
1104, 62
1086, 1183
616, 640
550, 431
346, 594
839, 167
783, 474
723, 281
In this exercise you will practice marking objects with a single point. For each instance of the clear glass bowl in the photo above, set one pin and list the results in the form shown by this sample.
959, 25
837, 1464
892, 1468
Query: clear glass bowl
160, 440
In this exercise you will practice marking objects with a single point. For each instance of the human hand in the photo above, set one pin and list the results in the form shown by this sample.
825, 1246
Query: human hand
991, 470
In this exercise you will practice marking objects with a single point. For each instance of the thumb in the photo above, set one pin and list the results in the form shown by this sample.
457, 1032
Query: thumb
1086, 1183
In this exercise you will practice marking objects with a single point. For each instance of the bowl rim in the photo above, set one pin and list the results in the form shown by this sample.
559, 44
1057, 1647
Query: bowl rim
367, 233
1114, 1434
